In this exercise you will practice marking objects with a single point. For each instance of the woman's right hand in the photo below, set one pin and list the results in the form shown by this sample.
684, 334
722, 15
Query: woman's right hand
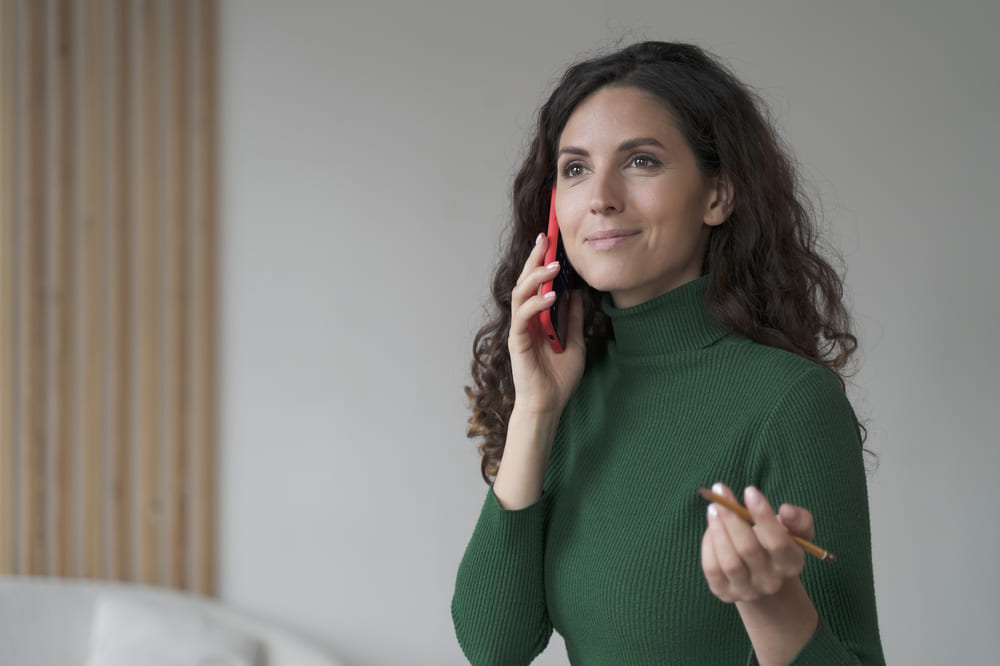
543, 379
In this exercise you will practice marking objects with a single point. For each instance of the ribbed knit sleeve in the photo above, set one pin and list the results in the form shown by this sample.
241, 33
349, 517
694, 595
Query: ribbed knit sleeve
809, 453
499, 603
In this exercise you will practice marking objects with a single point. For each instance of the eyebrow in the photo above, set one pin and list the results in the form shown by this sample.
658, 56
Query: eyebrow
627, 145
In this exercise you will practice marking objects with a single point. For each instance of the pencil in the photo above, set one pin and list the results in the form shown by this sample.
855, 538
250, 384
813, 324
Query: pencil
811, 548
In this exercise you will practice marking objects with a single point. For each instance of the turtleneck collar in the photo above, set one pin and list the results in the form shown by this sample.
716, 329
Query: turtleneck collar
671, 323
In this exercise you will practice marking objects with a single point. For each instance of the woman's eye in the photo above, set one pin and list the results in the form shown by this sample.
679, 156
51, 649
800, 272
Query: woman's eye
572, 170
642, 161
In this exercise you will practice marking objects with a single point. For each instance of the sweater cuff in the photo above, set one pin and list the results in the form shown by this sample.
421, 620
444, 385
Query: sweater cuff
822, 649
499, 607
493, 504
516, 533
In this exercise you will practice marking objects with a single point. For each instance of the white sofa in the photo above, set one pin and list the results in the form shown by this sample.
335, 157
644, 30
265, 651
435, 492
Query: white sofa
60, 622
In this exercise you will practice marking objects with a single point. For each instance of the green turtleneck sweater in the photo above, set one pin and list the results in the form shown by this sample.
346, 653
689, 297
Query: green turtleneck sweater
610, 555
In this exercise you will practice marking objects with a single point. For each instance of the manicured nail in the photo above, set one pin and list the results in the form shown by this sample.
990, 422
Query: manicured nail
538, 238
712, 511
554, 264
549, 295
717, 488
752, 496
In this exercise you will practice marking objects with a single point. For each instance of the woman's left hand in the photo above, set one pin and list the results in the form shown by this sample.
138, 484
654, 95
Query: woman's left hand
748, 563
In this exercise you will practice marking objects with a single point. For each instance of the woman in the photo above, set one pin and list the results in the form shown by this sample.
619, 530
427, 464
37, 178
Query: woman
707, 346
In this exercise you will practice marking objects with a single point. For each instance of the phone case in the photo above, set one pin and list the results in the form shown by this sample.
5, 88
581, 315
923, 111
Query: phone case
554, 318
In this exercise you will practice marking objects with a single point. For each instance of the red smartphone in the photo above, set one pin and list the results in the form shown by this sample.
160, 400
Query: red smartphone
555, 319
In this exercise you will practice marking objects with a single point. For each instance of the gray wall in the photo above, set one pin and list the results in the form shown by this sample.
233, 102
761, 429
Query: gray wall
367, 156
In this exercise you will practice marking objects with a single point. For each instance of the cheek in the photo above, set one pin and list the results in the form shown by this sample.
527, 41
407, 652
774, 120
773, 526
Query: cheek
678, 217
568, 216
669, 205
566, 205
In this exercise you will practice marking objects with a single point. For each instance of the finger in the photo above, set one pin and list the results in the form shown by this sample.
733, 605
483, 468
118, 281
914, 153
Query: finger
735, 572
530, 282
729, 518
785, 558
714, 575
536, 303
535, 257
720, 488
748, 547
797, 521
524, 316
763, 515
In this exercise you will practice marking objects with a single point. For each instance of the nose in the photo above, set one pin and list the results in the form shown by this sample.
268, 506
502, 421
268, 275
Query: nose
605, 194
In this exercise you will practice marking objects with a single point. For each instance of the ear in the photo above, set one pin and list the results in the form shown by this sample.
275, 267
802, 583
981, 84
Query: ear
720, 201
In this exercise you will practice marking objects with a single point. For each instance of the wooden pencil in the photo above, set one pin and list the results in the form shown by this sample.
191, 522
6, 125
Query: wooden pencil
811, 548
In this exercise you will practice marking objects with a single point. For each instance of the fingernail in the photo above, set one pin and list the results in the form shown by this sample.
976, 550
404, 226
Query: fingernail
751, 496
717, 488
789, 513
538, 238
712, 511
552, 265
549, 295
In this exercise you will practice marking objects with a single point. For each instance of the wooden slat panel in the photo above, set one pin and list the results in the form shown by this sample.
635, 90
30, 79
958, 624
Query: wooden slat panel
61, 305
180, 302
93, 395
149, 278
32, 293
121, 394
7, 477
205, 212
108, 300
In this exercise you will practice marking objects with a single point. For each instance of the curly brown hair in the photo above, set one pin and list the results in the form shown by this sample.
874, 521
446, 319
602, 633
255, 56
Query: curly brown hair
767, 278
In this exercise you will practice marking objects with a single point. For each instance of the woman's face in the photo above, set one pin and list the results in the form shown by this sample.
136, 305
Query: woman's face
634, 209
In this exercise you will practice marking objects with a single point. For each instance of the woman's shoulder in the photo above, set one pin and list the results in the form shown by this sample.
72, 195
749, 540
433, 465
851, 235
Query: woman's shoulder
795, 394
772, 367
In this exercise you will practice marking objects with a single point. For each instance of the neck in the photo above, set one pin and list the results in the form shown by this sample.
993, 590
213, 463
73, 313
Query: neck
673, 322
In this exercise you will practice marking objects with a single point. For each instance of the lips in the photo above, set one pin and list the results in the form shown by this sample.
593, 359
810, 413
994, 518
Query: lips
609, 238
